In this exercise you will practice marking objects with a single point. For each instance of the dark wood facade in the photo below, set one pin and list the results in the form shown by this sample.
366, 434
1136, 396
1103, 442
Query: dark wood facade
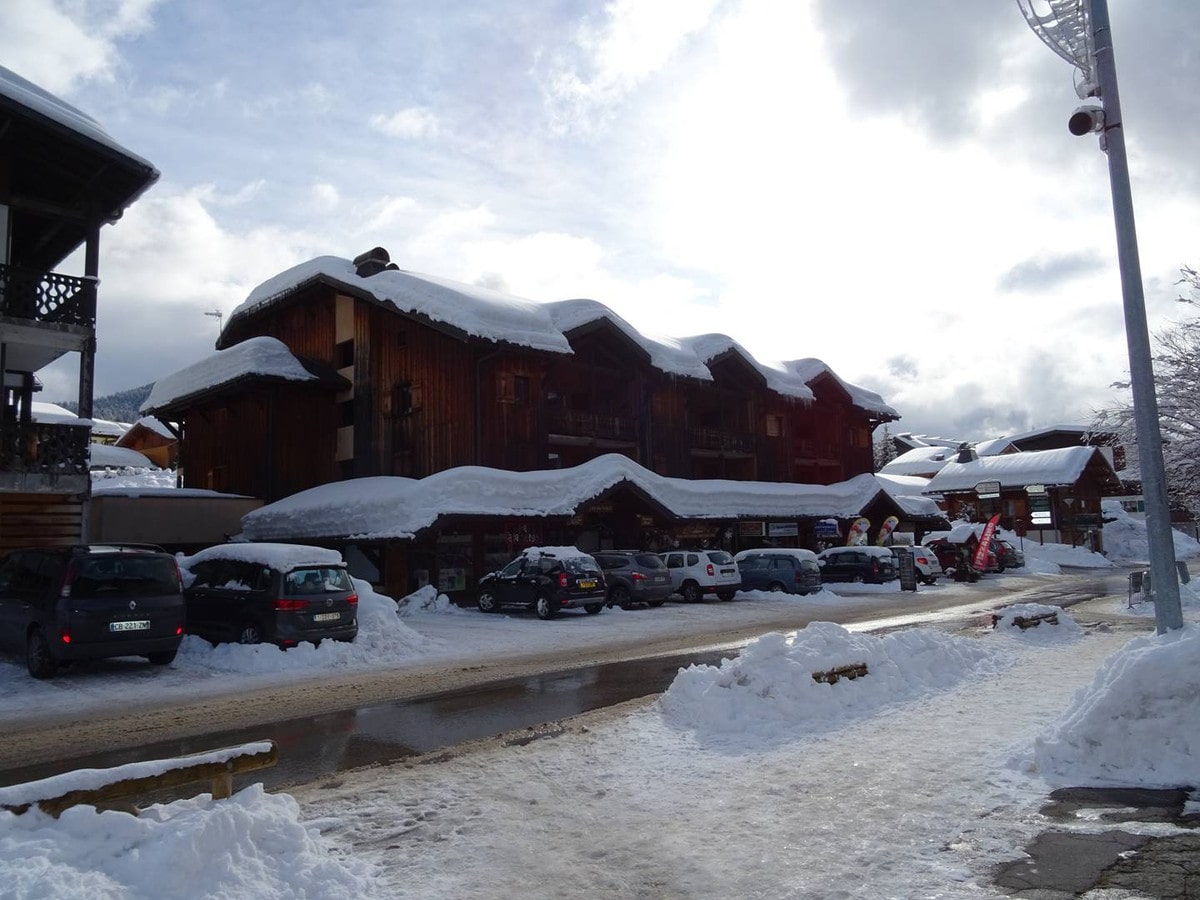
425, 397
59, 184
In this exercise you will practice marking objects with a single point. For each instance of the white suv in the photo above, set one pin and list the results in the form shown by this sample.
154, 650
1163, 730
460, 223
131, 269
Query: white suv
925, 561
695, 573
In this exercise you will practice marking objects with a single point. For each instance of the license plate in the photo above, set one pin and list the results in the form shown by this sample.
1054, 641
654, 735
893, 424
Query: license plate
587, 585
139, 625
327, 617
662, 579
728, 571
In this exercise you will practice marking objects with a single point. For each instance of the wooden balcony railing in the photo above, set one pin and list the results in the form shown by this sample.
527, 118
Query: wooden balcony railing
47, 296
725, 441
44, 449
810, 449
591, 425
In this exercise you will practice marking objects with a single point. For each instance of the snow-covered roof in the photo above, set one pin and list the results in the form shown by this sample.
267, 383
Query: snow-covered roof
666, 354
498, 317
260, 356
779, 378
394, 507
1012, 470
109, 456
907, 491
994, 447
919, 460
282, 557
41, 101
155, 425
808, 370
477, 311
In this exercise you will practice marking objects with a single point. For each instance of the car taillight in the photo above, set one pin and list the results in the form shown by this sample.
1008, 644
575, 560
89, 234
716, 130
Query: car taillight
66, 637
799, 576
178, 575
875, 566
283, 605
638, 576
562, 579
179, 631
352, 599
711, 570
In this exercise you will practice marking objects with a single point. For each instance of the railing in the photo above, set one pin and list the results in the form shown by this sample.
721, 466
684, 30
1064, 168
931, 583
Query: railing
581, 424
47, 296
716, 439
44, 449
806, 448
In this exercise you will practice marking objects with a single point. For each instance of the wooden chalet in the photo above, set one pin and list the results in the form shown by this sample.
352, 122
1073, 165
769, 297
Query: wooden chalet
439, 375
1053, 495
61, 179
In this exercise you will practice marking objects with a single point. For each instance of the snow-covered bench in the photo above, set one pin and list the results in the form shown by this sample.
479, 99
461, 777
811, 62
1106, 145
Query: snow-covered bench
118, 787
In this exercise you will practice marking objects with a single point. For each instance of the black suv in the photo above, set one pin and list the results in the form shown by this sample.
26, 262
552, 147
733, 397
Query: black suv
634, 576
90, 602
546, 579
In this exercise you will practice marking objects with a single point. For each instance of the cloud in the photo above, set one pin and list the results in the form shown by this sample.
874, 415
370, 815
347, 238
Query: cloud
1047, 272
411, 123
615, 52
58, 44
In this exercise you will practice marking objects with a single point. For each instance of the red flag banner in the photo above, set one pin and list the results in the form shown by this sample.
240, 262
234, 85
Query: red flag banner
985, 543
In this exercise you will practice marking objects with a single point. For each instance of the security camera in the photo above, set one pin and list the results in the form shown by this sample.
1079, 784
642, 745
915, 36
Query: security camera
1086, 119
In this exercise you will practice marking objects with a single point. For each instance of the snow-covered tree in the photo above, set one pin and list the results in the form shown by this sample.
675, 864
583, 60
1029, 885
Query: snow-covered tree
884, 448
1177, 384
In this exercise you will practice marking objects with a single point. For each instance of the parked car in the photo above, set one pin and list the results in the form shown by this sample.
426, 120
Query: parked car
634, 576
925, 561
90, 602
795, 571
281, 594
546, 580
695, 573
873, 565
951, 554
1007, 556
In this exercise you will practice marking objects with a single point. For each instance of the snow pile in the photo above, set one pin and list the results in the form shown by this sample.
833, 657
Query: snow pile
1137, 724
381, 638
250, 845
426, 600
1039, 555
132, 478
1125, 540
769, 690
1045, 632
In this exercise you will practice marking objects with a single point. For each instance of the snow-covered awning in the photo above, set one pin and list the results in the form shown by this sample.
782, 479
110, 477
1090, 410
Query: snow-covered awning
261, 357
1015, 470
393, 507
907, 492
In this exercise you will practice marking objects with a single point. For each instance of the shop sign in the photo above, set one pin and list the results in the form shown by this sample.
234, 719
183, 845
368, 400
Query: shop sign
750, 529
827, 528
782, 529
986, 489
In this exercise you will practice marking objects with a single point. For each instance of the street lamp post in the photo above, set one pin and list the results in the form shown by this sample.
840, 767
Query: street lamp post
1080, 32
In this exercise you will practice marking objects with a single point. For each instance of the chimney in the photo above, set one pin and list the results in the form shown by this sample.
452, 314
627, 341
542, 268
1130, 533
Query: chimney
966, 453
372, 262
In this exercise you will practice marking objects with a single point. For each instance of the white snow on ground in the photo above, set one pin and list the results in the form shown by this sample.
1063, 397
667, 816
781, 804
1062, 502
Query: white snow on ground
914, 785
1137, 724
253, 844
1125, 540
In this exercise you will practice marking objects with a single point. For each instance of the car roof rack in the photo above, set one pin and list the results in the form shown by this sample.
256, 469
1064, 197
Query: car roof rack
119, 547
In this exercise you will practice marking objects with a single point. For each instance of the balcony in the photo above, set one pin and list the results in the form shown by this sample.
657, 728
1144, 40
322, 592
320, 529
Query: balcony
715, 440
41, 457
594, 427
47, 297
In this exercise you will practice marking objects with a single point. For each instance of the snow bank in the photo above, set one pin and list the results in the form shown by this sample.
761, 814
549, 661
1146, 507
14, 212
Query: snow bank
769, 692
1062, 555
1137, 724
426, 601
1044, 632
1125, 540
250, 845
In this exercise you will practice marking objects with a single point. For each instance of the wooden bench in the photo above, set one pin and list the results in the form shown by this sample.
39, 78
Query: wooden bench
117, 788
832, 676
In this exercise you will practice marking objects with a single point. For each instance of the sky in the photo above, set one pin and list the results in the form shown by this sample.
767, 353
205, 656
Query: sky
888, 187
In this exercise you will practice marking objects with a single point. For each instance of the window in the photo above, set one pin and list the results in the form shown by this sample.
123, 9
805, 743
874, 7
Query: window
774, 426
343, 354
521, 389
